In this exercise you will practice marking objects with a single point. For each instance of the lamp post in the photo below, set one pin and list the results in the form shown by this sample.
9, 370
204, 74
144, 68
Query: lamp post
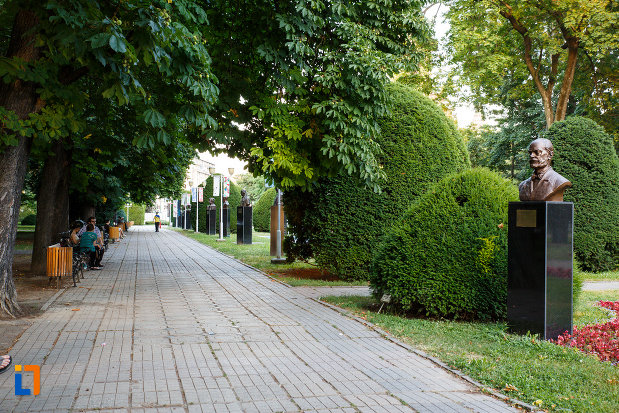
211, 169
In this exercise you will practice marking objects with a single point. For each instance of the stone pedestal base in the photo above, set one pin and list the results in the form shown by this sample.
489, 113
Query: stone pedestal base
244, 222
211, 223
540, 257
273, 246
226, 222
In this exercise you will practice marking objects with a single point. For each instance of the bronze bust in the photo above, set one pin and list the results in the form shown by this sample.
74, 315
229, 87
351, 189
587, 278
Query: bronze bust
545, 184
211, 204
245, 201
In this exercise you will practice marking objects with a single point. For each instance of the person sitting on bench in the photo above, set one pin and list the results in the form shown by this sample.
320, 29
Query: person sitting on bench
87, 244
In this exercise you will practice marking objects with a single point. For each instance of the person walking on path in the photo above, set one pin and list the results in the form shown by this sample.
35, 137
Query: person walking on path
157, 222
5, 363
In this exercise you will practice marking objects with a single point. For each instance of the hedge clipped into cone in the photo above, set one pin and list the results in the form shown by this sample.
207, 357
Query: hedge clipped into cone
585, 154
340, 223
447, 256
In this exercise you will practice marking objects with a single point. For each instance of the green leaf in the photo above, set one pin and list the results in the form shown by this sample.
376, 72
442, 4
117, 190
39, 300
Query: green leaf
117, 44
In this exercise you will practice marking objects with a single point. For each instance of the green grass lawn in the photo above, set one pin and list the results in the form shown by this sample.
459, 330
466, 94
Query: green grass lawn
531, 370
25, 227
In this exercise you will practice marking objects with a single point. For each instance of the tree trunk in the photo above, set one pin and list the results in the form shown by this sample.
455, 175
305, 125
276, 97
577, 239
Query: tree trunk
21, 98
568, 79
52, 205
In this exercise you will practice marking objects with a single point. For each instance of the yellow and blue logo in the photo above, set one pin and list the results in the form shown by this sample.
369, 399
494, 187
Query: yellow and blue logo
36, 383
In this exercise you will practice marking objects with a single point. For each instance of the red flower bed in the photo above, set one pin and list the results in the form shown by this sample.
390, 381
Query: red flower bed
599, 339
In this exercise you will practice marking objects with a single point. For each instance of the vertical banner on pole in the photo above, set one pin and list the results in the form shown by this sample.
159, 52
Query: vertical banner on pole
200, 194
216, 184
226, 187
194, 194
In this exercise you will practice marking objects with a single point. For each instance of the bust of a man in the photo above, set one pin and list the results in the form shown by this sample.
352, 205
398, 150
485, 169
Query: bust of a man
211, 204
245, 201
545, 184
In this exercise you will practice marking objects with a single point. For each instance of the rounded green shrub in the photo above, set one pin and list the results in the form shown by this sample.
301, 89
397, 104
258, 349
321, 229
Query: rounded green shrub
341, 222
234, 201
262, 210
585, 154
29, 220
447, 256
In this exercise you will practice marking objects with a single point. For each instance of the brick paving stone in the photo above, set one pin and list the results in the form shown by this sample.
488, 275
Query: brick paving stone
170, 325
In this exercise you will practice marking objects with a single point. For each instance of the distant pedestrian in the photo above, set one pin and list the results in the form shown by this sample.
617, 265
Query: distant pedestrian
157, 222
87, 244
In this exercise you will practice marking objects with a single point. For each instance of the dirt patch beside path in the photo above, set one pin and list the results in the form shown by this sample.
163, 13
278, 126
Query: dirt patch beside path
33, 292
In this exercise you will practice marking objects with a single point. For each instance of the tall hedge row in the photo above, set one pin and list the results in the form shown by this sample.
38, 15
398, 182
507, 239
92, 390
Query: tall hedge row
234, 201
262, 210
447, 256
341, 222
585, 154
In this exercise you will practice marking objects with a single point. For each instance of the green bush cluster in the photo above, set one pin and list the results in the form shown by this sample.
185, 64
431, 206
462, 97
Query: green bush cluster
341, 221
136, 214
585, 154
447, 256
262, 210
234, 201
29, 220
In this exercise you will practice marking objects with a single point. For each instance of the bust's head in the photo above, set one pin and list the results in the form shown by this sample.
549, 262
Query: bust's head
243, 192
541, 152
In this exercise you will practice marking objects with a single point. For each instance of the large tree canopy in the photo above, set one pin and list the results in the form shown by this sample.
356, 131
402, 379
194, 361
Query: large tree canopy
303, 78
537, 42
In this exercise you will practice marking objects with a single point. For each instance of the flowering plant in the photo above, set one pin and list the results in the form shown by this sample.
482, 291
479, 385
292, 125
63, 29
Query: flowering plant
599, 339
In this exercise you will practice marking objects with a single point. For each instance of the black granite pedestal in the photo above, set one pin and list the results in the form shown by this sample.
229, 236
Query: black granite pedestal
540, 257
243, 225
211, 223
226, 222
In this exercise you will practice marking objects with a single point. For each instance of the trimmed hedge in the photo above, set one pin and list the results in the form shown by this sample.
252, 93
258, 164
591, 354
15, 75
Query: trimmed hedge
341, 222
262, 210
234, 201
585, 154
447, 256
29, 220
136, 214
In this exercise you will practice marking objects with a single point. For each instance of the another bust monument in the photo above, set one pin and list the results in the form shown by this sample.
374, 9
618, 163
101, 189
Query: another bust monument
211, 211
244, 220
540, 250
545, 184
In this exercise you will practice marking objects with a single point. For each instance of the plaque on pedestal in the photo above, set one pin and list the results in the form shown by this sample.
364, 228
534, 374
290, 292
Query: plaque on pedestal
243, 224
540, 257
211, 224
226, 222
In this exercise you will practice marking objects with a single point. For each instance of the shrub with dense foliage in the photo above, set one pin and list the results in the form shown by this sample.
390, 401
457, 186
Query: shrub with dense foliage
136, 214
262, 210
29, 220
234, 201
585, 154
447, 256
342, 221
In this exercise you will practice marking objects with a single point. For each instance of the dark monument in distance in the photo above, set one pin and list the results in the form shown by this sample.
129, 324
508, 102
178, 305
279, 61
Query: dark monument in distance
211, 211
226, 217
540, 250
244, 220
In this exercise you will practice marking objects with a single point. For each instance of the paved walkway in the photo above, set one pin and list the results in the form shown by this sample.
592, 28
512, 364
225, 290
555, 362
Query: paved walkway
172, 326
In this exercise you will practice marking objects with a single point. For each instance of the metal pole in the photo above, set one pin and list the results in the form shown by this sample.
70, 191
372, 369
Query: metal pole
197, 203
279, 223
221, 207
